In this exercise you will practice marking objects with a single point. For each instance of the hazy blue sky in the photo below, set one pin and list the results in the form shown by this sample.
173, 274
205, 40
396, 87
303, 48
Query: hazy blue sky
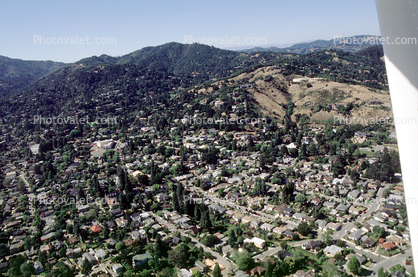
28, 28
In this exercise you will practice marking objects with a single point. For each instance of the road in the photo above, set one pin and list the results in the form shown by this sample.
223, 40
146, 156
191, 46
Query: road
387, 263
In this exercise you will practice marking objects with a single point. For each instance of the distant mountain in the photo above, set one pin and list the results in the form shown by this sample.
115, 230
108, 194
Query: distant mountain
179, 66
347, 44
16, 74
189, 63
153, 76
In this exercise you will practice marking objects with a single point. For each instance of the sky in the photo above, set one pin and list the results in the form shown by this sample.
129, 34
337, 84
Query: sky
68, 31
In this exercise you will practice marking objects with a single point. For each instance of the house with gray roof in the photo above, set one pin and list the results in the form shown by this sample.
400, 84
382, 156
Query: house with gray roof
141, 259
331, 250
343, 207
356, 235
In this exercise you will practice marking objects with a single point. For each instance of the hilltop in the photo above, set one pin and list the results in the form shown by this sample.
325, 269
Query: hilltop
347, 44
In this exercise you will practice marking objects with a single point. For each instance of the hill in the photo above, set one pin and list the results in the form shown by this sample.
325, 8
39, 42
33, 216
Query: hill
347, 44
15, 74
333, 93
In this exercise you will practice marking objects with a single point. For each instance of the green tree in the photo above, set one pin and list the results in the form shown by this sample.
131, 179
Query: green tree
232, 238
86, 267
304, 228
4, 250
382, 273
290, 261
244, 260
283, 244
120, 246
180, 255
27, 269
327, 237
330, 270
354, 265
301, 198
217, 271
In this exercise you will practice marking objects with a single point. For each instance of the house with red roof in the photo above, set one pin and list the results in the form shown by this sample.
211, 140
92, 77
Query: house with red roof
389, 246
95, 229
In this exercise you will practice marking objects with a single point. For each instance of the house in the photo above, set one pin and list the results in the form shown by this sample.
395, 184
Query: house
144, 215
201, 265
241, 273
47, 236
354, 210
321, 224
269, 260
116, 212
330, 205
343, 207
308, 219
284, 253
330, 251
301, 273
89, 257
361, 259
333, 226
267, 227
354, 194
397, 274
237, 217
389, 207
140, 259
255, 223
100, 255
288, 234
161, 197
121, 222
316, 200
280, 230
184, 273
95, 229
356, 235
37, 266
314, 245
259, 243
298, 216
136, 218
246, 219
389, 246
258, 270
46, 248
398, 240
216, 209
72, 240
386, 213
288, 212
368, 242
117, 268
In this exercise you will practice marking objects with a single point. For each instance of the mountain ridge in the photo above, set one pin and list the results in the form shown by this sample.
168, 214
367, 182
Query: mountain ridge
348, 44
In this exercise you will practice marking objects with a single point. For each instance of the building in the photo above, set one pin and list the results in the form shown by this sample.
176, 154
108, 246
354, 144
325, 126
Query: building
95, 229
330, 251
389, 246
314, 245
356, 235
259, 243
37, 266
89, 257
117, 268
100, 255
139, 260
333, 226
397, 240
301, 273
